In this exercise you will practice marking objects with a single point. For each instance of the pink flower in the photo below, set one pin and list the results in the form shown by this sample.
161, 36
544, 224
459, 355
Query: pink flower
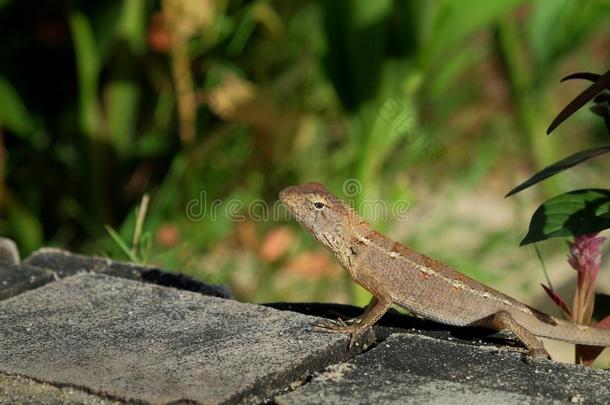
585, 256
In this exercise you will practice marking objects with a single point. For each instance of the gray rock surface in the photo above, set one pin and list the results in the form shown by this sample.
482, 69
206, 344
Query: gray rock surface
15, 279
123, 339
65, 263
9, 254
21, 390
101, 331
417, 369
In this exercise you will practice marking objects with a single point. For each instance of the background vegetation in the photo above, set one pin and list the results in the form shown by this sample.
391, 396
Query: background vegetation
201, 103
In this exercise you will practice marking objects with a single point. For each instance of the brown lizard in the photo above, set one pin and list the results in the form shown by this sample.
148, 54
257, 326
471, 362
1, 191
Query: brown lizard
395, 274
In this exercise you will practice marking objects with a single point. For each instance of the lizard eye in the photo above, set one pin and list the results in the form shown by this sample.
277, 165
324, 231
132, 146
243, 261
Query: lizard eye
319, 205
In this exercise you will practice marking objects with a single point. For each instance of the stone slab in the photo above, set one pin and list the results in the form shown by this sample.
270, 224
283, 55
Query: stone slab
65, 263
15, 279
20, 390
415, 369
9, 254
128, 340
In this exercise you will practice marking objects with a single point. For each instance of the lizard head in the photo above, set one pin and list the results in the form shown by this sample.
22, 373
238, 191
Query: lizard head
319, 211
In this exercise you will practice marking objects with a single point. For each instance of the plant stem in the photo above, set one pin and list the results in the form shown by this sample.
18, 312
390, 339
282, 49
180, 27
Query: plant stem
139, 224
181, 69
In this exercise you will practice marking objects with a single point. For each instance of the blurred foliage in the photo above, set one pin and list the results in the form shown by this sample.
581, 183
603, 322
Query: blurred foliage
212, 107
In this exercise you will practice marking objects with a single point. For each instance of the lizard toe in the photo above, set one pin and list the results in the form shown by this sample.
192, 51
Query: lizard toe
538, 354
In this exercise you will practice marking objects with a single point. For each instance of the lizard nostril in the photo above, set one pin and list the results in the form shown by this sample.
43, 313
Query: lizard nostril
283, 195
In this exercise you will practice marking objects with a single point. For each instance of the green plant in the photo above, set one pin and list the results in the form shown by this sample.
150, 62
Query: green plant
141, 243
237, 99
580, 214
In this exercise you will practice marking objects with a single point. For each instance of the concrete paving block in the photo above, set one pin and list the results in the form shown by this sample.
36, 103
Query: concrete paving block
20, 390
128, 340
411, 369
15, 279
65, 263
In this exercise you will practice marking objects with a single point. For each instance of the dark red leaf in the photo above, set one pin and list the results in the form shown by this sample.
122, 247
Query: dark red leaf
582, 75
557, 300
602, 98
560, 166
588, 354
604, 112
604, 323
601, 83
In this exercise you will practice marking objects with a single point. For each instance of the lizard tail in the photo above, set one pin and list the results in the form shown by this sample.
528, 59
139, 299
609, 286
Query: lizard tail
571, 332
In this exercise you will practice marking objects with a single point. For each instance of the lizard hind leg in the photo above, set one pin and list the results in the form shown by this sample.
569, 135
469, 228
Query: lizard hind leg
503, 320
358, 326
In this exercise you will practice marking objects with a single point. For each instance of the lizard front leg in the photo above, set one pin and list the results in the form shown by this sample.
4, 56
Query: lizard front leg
358, 326
503, 320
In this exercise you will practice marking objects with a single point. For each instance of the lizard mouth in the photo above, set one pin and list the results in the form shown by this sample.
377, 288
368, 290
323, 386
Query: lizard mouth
290, 209
295, 214
283, 196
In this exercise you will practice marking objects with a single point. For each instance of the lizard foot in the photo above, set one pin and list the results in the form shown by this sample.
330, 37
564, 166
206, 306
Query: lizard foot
352, 327
531, 354
510, 349
538, 354
338, 326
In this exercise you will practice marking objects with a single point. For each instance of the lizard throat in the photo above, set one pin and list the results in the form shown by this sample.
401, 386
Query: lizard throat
340, 247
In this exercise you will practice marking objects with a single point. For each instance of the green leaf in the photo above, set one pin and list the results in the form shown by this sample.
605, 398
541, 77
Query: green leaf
560, 166
453, 23
121, 243
25, 227
555, 28
122, 93
145, 248
356, 33
14, 115
574, 213
88, 68
132, 24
